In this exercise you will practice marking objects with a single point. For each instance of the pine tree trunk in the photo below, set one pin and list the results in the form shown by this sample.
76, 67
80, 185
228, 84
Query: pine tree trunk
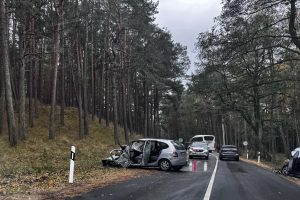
136, 106
257, 118
129, 102
40, 78
124, 112
283, 135
115, 109
120, 104
84, 81
22, 117
14, 72
34, 74
63, 65
107, 96
151, 121
36, 77
145, 110
31, 68
101, 90
2, 94
93, 74
79, 99
56, 54
156, 114
8, 90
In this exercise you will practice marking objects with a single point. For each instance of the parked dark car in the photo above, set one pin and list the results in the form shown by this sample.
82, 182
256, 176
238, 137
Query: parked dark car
229, 152
292, 166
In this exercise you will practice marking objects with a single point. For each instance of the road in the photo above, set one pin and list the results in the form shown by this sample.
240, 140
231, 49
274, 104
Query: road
233, 180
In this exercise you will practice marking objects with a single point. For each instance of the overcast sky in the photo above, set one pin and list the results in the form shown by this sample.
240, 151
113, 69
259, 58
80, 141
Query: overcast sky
185, 19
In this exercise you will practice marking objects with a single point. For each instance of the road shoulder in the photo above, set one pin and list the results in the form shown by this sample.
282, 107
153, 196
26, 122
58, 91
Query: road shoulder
270, 168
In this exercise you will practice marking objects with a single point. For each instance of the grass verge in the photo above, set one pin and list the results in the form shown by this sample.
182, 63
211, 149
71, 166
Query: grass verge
39, 166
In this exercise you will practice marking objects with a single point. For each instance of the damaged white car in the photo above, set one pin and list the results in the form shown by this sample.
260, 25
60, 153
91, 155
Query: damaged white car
292, 165
162, 153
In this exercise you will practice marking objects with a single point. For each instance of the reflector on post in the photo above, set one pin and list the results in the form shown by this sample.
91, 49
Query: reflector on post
72, 163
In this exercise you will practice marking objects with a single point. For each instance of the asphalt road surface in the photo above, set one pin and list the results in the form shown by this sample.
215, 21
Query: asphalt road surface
232, 180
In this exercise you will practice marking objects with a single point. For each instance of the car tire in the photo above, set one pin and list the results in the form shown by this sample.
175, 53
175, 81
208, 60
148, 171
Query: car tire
207, 157
237, 159
190, 157
220, 158
164, 165
284, 170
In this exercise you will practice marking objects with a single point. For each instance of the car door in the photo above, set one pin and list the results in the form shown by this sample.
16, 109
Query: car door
146, 153
297, 163
293, 162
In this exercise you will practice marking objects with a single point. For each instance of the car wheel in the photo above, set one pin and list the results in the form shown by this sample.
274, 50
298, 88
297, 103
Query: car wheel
190, 157
237, 159
220, 158
164, 165
206, 157
284, 170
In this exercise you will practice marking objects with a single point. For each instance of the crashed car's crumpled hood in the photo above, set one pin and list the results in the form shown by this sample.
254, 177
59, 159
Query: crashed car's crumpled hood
122, 160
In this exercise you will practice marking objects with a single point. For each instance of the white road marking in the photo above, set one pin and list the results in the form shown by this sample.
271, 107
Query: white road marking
190, 166
205, 167
211, 182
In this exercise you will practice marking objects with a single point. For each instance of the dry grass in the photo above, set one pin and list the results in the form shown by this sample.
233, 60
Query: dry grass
40, 164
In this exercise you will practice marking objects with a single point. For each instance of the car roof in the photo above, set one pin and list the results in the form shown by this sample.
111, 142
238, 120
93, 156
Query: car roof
229, 146
202, 135
155, 139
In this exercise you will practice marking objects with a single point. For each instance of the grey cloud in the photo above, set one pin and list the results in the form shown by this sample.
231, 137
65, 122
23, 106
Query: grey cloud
185, 19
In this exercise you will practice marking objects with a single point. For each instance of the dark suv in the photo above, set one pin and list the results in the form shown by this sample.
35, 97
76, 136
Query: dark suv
229, 152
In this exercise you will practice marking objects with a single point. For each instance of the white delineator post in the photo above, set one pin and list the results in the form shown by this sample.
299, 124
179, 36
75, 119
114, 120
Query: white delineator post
258, 158
205, 167
72, 163
247, 154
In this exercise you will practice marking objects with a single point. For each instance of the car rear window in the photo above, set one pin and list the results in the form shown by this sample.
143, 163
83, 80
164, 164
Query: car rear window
177, 145
229, 149
209, 138
197, 139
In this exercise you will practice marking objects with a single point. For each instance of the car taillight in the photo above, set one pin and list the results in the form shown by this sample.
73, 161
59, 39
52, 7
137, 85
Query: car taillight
175, 154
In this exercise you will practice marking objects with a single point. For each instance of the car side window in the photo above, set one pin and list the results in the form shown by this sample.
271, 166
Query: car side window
163, 145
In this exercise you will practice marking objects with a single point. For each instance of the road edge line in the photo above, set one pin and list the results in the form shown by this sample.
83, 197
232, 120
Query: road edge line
211, 182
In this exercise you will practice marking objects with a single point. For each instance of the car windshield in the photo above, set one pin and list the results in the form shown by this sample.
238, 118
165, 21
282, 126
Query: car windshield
138, 146
199, 144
